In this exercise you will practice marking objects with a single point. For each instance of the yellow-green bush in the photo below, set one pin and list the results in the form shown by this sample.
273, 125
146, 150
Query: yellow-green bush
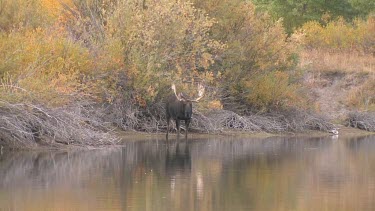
142, 50
86, 20
106, 49
257, 49
23, 14
45, 65
269, 91
340, 35
163, 41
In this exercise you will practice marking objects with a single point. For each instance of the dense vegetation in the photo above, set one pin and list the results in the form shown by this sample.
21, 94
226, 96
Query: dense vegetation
111, 63
297, 13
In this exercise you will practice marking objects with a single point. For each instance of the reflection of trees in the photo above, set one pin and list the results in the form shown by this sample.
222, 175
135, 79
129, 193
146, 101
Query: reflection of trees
340, 177
361, 143
203, 177
28, 168
259, 174
256, 174
51, 180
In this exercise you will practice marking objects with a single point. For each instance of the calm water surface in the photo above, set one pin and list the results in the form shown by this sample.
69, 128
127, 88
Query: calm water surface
232, 174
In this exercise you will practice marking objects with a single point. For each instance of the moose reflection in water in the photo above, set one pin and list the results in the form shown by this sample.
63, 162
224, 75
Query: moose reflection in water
255, 174
177, 158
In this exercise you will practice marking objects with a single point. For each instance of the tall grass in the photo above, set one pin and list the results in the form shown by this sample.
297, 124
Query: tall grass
339, 45
347, 62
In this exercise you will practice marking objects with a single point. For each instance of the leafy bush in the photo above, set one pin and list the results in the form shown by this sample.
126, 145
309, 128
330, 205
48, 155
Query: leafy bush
47, 67
162, 41
257, 49
86, 21
297, 13
271, 91
340, 35
23, 14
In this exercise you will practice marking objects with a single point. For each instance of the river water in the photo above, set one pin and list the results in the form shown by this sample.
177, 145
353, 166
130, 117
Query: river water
208, 174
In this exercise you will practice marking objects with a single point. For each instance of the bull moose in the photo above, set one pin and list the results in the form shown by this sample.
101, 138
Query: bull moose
180, 107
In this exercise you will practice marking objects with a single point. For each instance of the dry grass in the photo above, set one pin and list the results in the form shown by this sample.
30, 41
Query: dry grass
342, 81
348, 62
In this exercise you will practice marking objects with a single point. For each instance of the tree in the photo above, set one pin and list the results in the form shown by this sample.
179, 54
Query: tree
295, 13
364, 7
257, 50
163, 40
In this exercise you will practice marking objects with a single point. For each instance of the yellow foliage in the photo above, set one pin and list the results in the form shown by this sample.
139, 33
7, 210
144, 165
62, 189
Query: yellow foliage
215, 104
46, 65
257, 47
273, 90
105, 49
21, 14
339, 35
166, 42
54, 7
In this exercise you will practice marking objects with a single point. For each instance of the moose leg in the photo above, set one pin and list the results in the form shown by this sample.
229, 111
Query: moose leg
178, 128
168, 122
187, 122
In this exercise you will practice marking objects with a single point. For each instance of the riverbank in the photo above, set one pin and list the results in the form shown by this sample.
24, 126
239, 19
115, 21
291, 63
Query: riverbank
28, 126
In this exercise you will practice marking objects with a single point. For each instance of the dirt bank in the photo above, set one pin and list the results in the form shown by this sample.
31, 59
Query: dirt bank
334, 93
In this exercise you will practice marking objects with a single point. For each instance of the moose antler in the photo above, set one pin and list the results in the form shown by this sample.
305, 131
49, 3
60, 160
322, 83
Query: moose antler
201, 90
179, 98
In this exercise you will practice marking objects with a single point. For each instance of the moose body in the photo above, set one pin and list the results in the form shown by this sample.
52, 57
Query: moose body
178, 110
179, 107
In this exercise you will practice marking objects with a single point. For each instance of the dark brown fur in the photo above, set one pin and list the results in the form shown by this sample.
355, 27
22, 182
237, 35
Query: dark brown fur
178, 110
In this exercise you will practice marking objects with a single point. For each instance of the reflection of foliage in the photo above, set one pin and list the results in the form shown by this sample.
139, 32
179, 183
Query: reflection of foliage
63, 172
276, 173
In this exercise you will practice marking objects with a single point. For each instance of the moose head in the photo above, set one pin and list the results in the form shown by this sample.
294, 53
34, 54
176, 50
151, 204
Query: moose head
180, 107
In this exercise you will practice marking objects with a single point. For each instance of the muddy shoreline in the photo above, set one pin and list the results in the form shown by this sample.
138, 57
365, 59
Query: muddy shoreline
142, 136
